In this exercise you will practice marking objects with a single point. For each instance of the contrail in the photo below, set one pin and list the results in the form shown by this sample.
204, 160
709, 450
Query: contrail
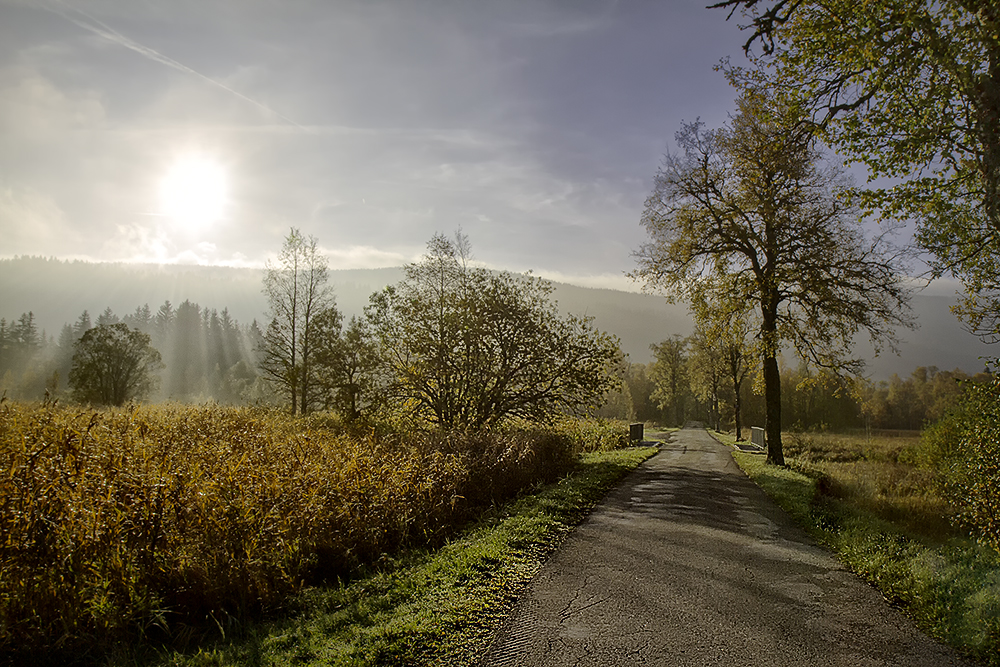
107, 32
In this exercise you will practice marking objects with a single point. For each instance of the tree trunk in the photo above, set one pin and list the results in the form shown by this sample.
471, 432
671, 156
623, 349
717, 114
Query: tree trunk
305, 381
988, 119
737, 412
772, 400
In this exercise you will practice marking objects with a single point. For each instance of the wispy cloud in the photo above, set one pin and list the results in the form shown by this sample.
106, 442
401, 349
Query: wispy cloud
94, 25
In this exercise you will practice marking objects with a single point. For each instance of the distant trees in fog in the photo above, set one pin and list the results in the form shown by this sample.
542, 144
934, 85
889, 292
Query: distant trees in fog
676, 388
206, 354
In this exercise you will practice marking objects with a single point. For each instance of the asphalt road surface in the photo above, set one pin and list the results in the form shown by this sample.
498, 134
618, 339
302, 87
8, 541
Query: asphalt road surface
687, 562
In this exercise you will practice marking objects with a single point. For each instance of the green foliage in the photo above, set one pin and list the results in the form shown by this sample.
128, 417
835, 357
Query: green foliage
640, 390
348, 365
468, 347
818, 401
911, 89
166, 521
939, 440
113, 364
972, 466
746, 218
669, 374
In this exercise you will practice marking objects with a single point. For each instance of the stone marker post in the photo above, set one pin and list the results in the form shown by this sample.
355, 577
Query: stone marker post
635, 432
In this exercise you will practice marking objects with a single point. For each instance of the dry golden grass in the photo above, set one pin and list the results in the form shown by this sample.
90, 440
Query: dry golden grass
162, 520
879, 474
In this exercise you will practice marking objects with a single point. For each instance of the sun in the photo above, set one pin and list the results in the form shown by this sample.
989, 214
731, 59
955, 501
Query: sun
193, 193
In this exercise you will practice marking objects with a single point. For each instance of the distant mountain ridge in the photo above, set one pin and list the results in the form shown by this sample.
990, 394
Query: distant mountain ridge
57, 291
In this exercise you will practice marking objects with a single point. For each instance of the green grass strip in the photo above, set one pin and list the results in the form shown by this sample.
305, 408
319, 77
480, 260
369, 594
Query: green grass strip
434, 606
952, 591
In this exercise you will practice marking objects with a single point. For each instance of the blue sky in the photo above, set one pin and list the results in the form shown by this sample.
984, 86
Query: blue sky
536, 126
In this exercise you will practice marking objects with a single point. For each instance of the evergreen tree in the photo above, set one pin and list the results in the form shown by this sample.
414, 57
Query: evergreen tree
107, 317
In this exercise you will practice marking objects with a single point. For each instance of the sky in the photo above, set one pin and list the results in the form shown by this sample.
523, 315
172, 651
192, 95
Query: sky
200, 132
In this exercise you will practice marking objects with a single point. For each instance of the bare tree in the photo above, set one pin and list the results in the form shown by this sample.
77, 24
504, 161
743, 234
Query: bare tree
296, 291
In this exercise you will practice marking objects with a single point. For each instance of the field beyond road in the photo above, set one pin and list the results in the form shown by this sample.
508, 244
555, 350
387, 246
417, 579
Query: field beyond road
689, 563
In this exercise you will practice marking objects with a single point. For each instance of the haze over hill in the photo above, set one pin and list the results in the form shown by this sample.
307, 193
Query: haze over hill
58, 291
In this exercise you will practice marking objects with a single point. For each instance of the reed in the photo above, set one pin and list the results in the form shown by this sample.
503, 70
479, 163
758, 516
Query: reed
161, 521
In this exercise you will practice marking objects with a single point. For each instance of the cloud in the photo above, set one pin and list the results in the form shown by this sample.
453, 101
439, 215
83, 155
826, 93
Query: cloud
365, 257
33, 109
148, 243
534, 125
87, 22
30, 220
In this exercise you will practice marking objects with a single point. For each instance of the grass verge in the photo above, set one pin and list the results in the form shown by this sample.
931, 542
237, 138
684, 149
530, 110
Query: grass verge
950, 588
426, 606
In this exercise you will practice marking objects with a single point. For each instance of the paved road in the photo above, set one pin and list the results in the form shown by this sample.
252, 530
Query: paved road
688, 563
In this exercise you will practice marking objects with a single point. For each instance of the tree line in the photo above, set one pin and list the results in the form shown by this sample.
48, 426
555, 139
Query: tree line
460, 345
201, 354
452, 344
692, 380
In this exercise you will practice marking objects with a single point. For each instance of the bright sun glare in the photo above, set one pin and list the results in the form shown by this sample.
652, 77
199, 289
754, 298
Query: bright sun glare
193, 193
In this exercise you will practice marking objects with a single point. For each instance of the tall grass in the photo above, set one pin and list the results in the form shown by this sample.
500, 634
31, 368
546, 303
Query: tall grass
881, 474
427, 606
162, 521
874, 502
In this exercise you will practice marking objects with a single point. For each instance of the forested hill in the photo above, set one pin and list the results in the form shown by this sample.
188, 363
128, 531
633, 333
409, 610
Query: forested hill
58, 291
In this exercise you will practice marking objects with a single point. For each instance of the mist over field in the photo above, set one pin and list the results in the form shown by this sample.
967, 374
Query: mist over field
57, 292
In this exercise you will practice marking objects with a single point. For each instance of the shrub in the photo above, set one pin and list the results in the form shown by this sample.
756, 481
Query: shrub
939, 440
593, 435
972, 468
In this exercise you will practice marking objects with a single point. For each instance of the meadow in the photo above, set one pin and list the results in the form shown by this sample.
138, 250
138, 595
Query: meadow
877, 503
168, 523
